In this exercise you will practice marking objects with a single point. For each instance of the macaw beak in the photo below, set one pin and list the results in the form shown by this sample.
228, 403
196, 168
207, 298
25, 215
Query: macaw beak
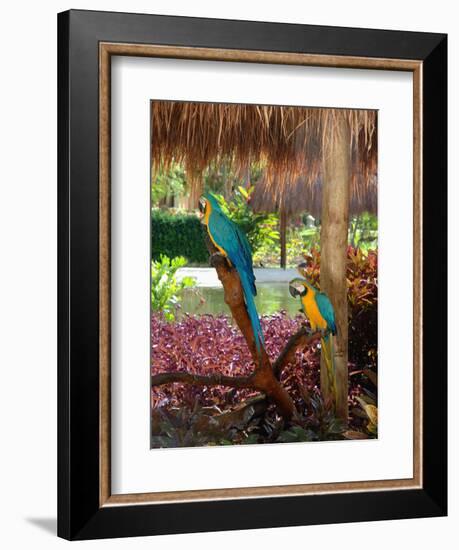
294, 290
202, 206
297, 288
302, 265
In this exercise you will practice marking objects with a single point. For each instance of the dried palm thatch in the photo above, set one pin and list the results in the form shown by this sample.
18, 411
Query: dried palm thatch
289, 141
303, 196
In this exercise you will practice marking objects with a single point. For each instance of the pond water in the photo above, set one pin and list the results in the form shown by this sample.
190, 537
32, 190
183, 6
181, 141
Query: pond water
271, 298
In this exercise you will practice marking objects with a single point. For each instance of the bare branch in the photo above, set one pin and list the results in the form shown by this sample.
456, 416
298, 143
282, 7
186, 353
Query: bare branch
300, 339
234, 299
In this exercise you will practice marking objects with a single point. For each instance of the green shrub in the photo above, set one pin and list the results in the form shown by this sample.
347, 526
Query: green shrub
165, 289
178, 235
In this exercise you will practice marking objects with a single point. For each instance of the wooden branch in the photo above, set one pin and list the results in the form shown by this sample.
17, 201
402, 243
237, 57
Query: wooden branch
234, 299
216, 379
300, 339
263, 377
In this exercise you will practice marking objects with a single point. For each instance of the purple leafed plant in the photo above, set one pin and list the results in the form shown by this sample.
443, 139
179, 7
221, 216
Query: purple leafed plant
206, 344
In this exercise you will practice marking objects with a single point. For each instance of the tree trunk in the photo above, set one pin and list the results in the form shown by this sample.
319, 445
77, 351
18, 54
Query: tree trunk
334, 240
283, 238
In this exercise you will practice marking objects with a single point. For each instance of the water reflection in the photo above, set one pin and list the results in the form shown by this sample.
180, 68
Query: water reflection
271, 298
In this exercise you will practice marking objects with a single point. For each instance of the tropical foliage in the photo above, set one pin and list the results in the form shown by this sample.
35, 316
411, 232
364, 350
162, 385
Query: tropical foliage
178, 234
363, 231
252, 423
165, 288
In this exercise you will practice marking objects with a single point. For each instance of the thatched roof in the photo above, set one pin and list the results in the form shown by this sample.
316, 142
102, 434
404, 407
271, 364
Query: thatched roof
288, 141
307, 197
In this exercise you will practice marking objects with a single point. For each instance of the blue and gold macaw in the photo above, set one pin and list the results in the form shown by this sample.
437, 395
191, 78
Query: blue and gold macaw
319, 310
230, 241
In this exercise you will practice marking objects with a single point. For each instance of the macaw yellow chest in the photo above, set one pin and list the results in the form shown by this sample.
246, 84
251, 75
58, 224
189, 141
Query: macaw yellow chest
312, 312
206, 221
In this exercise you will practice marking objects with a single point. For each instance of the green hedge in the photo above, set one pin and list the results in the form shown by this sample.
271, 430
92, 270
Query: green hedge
178, 235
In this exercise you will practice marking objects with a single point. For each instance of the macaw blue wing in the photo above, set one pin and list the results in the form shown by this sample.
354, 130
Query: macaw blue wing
247, 253
229, 236
232, 240
326, 310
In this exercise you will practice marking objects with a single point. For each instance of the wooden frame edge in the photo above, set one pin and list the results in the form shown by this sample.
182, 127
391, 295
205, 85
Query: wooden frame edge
257, 492
417, 275
104, 276
106, 50
257, 56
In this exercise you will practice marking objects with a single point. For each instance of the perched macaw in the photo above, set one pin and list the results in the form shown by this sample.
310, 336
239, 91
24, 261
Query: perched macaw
231, 241
319, 310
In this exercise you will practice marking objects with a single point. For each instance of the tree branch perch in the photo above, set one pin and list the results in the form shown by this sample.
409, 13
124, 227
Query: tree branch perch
300, 339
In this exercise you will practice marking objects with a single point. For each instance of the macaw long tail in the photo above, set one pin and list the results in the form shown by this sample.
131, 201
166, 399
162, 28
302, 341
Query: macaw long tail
247, 287
327, 346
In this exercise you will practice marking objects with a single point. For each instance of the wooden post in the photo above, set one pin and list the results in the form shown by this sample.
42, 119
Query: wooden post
334, 241
283, 237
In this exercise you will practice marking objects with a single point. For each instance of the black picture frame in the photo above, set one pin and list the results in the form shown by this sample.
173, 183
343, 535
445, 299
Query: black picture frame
80, 515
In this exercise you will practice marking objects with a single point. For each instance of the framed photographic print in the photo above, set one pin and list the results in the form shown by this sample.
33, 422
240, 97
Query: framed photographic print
251, 331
